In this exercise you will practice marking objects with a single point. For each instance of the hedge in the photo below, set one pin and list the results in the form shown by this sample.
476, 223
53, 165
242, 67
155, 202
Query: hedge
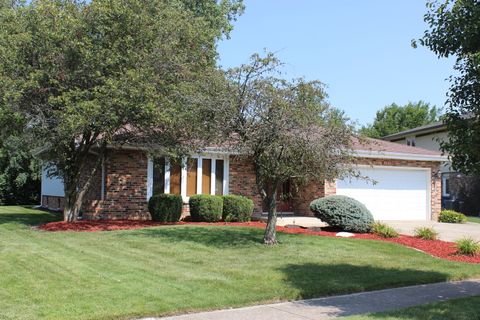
237, 208
450, 216
206, 208
165, 207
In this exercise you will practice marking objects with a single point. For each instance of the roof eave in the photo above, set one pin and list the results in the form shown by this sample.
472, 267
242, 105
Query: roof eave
399, 156
422, 130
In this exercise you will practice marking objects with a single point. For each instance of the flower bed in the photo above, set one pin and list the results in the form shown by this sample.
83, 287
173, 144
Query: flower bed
437, 248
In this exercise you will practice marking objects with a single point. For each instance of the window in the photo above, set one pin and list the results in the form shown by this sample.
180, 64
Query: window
175, 178
219, 168
158, 175
206, 176
411, 141
196, 175
445, 185
192, 168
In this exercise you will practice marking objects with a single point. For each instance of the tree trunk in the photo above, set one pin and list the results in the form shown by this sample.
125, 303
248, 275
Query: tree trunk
270, 237
70, 213
75, 191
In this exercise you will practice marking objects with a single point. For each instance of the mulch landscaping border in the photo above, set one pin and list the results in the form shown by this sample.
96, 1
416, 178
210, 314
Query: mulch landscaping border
441, 249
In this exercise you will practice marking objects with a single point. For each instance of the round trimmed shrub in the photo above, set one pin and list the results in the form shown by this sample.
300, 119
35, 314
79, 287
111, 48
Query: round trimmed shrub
237, 208
206, 208
165, 207
343, 212
450, 216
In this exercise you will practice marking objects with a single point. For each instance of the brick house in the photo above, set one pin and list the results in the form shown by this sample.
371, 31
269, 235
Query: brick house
408, 184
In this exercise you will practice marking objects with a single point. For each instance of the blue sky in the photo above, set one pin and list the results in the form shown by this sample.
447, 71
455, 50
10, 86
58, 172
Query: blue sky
360, 49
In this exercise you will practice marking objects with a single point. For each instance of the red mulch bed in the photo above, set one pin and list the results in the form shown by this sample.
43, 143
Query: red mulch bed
437, 248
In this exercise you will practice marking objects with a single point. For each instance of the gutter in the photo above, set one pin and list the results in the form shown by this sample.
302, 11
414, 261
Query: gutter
399, 156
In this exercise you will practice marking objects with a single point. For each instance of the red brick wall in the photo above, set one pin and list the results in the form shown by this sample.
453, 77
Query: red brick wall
242, 180
125, 188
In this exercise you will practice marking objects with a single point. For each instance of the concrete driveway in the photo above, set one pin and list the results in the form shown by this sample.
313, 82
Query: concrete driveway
446, 231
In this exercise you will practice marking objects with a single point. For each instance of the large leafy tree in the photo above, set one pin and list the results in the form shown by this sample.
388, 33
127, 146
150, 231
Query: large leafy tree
395, 118
454, 30
87, 75
288, 129
19, 171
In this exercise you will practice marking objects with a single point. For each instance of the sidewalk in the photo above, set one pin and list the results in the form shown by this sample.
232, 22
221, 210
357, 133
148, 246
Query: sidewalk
346, 305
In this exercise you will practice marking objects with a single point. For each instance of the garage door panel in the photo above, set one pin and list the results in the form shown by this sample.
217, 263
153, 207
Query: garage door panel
398, 194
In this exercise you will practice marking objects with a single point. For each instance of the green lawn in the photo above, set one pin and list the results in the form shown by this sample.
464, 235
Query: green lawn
156, 271
473, 219
458, 309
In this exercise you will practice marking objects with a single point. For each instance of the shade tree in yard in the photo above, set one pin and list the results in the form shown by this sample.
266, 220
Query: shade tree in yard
89, 75
288, 129
454, 31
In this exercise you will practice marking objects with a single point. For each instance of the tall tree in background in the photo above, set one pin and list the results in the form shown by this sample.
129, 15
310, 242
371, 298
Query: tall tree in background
288, 129
19, 171
394, 118
454, 30
85, 75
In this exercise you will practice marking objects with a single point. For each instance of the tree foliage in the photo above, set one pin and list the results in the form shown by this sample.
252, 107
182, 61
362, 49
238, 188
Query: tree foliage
454, 30
19, 171
288, 128
395, 118
86, 75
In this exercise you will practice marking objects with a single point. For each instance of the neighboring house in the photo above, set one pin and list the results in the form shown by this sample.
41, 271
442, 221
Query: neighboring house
429, 137
407, 188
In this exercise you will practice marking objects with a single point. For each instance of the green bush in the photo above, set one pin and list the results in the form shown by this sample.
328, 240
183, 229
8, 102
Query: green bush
165, 207
426, 233
343, 212
383, 230
450, 216
467, 247
206, 208
237, 208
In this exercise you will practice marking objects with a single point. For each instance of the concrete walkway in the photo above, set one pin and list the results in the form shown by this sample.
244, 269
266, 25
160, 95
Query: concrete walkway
346, 305
446, 231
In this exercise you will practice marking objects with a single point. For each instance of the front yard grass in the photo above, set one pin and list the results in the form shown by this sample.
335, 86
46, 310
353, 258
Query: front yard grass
473, 219
164, 270
458, 309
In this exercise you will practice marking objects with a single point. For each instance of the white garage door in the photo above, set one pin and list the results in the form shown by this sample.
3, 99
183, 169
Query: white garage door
399, 194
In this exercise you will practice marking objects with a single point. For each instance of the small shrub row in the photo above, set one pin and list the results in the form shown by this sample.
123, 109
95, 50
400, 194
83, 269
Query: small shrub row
204, 208
237, 208
426, 233
383, 230
343, 212
467, 247
165, 207
230, 208
450, 216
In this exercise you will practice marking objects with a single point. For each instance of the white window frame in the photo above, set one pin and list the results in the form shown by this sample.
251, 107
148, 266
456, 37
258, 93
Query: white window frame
444, 185
183, 183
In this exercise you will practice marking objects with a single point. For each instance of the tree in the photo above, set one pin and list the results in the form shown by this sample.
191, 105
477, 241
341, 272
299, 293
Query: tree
288, 129
394, 118
19, 171
88, 75
454, 30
